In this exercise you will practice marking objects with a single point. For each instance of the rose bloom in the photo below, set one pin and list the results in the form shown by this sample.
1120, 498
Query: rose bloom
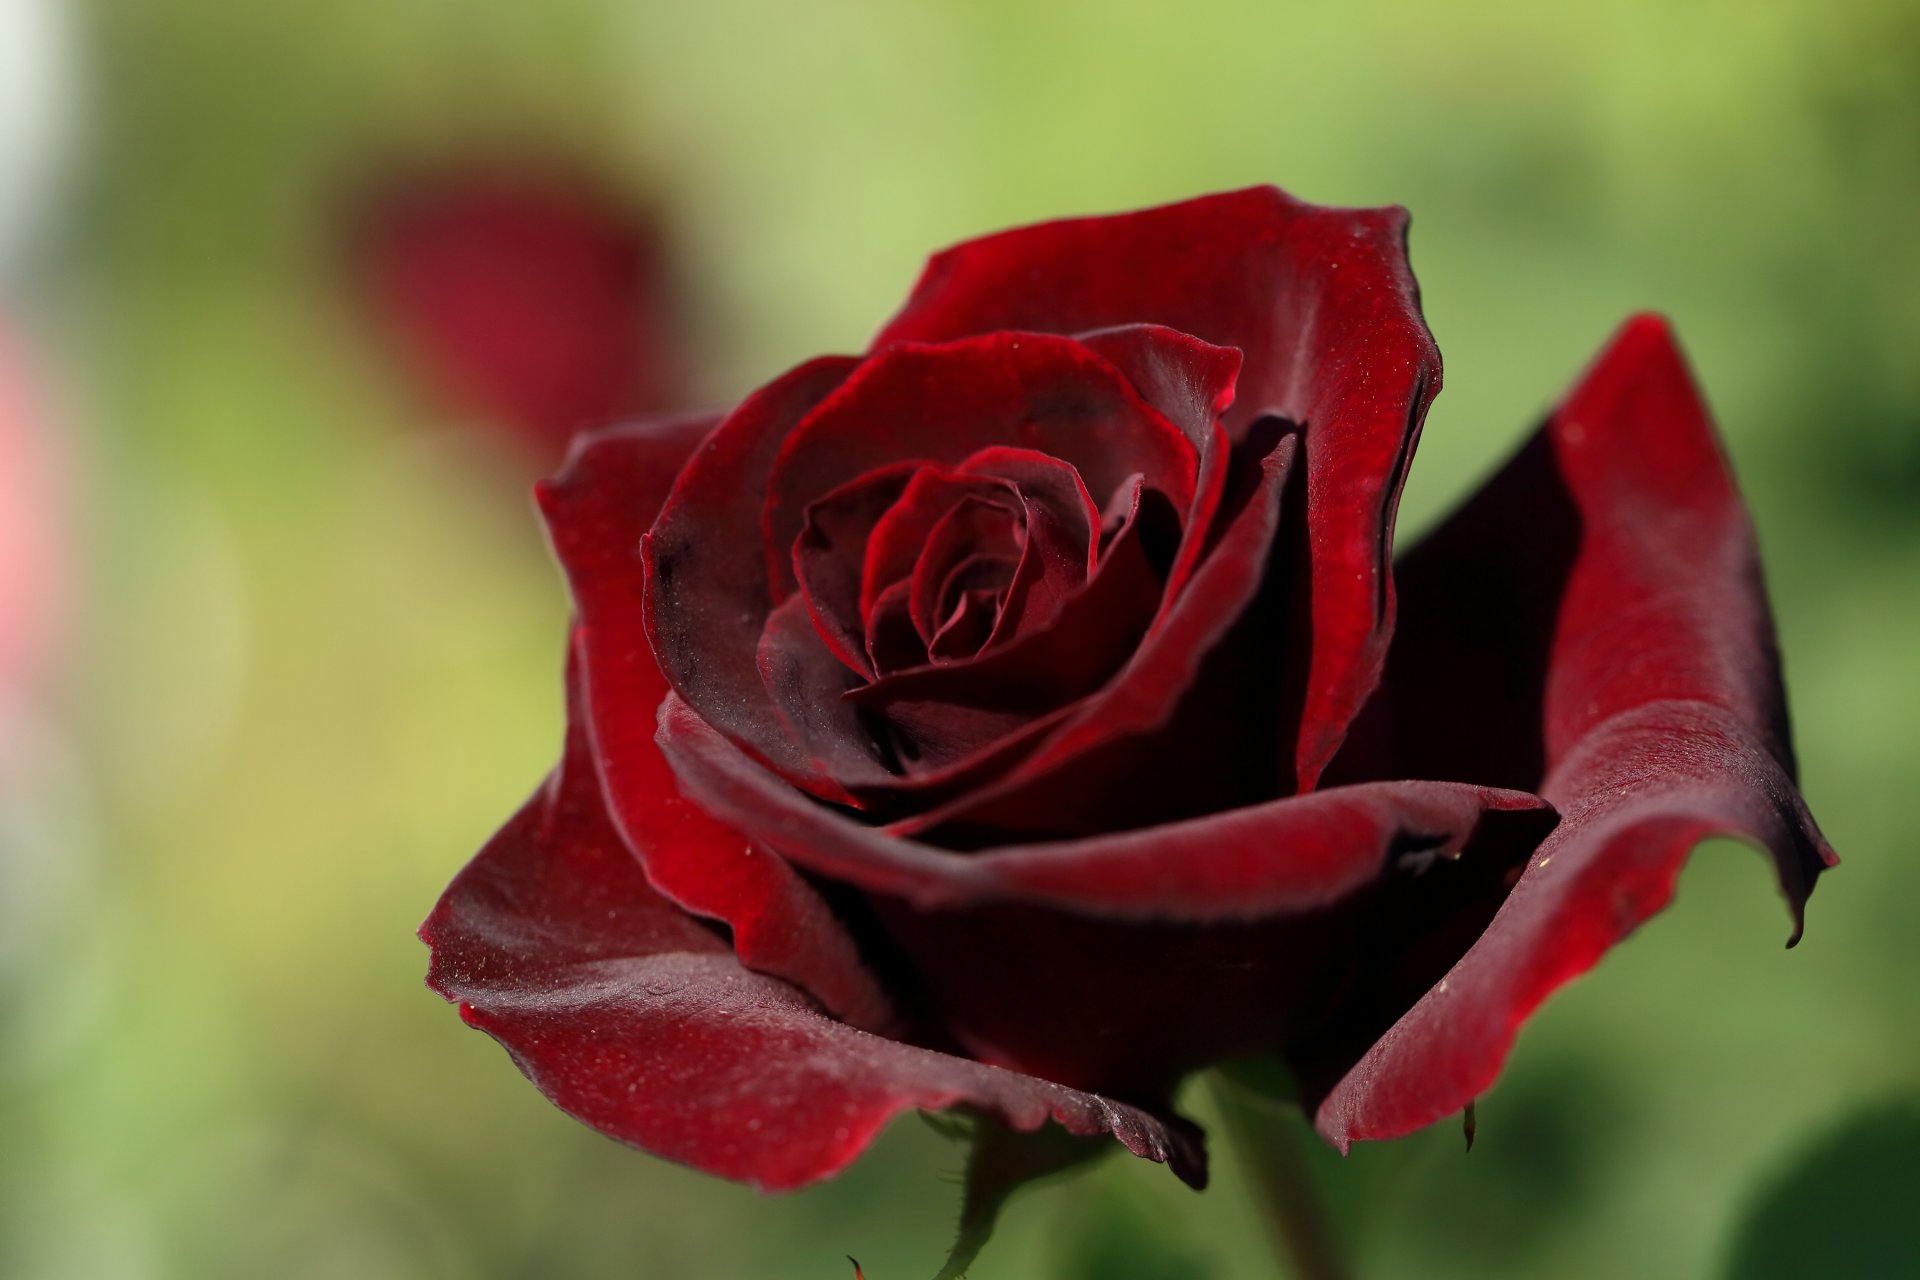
1028, 713
523, 292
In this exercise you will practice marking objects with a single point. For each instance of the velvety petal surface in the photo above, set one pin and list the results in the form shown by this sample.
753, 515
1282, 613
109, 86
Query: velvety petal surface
947, 401
942, 714
1323, 307
829, 557
1108, 765
1192, 383
1596, 613
635, 1019
708, 594
595, 511
809, 685
1286, 857
977, 508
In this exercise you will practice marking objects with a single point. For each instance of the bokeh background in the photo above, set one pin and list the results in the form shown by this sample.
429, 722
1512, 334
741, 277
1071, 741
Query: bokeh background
288, 639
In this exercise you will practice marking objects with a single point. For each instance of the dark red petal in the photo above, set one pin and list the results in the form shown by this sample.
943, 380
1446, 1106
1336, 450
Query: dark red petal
983, 576
531, 296
1108, 758
809, 684
930, 785
900, 537
1285, 857
1125, 1007
707, 595
828, 555
1040, 392
595, 511
1621, 566
1291, 855
1189, 381
1323, 306
943, 714
958, 538
1192, 383
637, 1021
1062, 524
893, 643
1002, 505
968, 626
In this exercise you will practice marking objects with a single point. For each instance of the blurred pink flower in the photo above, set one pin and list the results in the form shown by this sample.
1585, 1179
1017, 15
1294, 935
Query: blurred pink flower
33, 550
522, 292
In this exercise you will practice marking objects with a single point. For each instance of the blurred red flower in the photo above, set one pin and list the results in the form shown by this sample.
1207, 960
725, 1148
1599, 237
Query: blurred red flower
522, 292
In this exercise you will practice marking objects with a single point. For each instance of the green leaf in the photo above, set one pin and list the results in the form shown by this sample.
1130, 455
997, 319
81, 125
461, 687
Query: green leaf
1001, 1163
1847, 1206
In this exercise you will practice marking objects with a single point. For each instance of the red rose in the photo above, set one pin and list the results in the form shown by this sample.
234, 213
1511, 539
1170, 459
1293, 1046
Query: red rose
1017, 717
519, 291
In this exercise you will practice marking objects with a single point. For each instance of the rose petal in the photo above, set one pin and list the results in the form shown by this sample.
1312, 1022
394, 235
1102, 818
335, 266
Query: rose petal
1192, 383
707, 603
595, 512
893, 642
1297, 854
1052, 537
636, 1020
809, 684
1122, 1007
957, 539
1323, 306
899, 538
1618, 559
1062, 524
945, 713
1041, 392
827, 556
969, 624
1112, 763
1286, 857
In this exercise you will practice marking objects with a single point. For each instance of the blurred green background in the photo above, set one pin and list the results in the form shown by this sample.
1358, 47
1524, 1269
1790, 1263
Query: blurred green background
316, 658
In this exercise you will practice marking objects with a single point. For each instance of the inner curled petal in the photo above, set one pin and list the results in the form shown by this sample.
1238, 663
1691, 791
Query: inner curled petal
827, 560
966, 556
900, 538
985, 537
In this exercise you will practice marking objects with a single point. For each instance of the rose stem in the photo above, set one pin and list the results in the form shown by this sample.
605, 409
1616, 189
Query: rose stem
1264, 1139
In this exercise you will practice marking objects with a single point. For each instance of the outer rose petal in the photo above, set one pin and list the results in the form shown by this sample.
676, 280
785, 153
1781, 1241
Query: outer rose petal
1620, 563
1324, 307
596, 510
638, 1021
1285, 857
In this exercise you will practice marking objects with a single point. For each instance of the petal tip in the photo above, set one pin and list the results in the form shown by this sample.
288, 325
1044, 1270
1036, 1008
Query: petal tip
1644, 335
